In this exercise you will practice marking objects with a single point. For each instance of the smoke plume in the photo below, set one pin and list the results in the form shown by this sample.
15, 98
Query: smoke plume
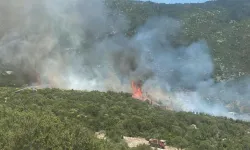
80, 44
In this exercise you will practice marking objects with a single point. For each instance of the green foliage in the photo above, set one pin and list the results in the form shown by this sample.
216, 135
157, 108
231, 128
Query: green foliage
58, 119
142, 147
224, 24
180, 142
32, 130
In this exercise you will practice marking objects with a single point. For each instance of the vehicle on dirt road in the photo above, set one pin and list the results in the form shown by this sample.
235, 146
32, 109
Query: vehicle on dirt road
157, 143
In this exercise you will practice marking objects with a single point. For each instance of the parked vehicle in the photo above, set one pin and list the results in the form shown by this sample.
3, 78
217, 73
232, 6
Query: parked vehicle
157, 143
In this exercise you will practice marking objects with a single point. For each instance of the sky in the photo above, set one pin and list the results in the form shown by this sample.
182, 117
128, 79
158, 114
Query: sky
177, 1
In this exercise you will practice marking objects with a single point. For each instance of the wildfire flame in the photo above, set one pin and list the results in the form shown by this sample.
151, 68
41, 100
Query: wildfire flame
137, 91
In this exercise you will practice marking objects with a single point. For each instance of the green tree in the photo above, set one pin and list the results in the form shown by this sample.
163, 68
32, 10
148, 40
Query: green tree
180, 142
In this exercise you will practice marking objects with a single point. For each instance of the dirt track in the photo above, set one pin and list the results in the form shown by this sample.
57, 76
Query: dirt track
135, 141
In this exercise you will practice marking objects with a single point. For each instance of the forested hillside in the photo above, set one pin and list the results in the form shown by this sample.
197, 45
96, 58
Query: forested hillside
68, 119
224, 24
58, 119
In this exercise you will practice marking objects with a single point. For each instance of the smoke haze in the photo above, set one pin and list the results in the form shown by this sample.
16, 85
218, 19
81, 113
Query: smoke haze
80, 45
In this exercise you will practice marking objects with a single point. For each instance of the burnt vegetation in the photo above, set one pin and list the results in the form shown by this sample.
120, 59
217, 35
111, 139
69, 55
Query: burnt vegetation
59, 119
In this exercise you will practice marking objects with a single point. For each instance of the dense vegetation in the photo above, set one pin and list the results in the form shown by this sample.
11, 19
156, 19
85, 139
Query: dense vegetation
58, 119
224, 24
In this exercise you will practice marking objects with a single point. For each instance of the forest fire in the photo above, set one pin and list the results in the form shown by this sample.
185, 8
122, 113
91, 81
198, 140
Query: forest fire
137, 91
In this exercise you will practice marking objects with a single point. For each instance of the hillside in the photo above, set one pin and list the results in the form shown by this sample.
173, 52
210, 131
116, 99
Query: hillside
224, 24
53, 118
86, 46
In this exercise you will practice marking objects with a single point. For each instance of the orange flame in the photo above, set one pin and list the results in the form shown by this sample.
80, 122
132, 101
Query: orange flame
137, 91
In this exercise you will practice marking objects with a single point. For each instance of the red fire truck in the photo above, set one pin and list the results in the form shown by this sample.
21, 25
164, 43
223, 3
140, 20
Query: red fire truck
157, 143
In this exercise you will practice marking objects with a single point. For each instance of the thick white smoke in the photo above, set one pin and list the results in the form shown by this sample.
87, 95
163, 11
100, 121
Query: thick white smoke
80, 44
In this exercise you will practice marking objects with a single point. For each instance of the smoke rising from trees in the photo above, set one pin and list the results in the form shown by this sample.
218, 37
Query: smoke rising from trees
81, 45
